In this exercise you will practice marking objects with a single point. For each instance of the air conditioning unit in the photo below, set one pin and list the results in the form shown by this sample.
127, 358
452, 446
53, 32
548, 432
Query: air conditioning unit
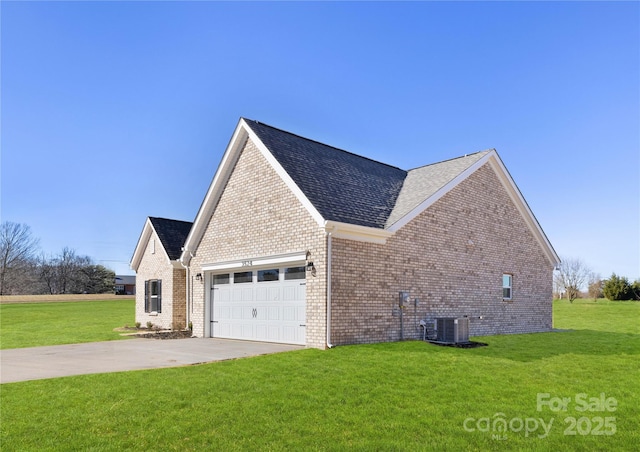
452, 330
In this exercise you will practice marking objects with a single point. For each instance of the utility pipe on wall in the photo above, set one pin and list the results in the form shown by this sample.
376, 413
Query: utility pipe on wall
329, 344
403, 298
186, 295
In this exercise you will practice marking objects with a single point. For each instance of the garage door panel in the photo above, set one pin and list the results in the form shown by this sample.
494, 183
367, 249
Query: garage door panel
223, 294
223, 330
289, 293
290, 313
290, 334
273, 313
273, 333
221, 312
247, 294
236, 313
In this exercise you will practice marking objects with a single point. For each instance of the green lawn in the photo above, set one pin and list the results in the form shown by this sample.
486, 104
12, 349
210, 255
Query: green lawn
36, 324
394, 396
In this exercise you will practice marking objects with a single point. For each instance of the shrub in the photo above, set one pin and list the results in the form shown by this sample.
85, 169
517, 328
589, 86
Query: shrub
149, 325
635, 290
137, 325
617, 288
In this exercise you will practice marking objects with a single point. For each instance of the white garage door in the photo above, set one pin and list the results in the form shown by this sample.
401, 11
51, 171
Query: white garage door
259, 305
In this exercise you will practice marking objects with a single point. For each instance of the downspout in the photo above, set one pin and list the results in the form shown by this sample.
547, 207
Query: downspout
187, 287
188, 307
329, 344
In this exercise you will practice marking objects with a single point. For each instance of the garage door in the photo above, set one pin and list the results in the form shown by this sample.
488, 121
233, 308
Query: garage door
259, 305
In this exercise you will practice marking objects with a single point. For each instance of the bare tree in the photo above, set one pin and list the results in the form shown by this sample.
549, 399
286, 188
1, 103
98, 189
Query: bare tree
70, 273
572, 275
17, 249
595, 286
48, 274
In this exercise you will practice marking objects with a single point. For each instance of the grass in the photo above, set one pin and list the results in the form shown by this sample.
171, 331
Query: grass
37, 324
394, 396
600, 315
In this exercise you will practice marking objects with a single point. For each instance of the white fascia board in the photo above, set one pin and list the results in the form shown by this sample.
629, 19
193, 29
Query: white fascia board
510, 186
215, 190
141, 245
357, 233
285, 177
439, 194
298, 258
527, 214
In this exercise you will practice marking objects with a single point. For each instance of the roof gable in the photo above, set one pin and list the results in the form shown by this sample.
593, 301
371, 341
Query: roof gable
423, 183
343, 187
171, 233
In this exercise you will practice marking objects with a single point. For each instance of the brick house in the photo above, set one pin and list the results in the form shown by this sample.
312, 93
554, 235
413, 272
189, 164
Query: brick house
299, 242
125, 285
161, 279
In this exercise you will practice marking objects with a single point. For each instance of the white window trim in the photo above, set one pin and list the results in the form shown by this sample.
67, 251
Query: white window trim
510, 287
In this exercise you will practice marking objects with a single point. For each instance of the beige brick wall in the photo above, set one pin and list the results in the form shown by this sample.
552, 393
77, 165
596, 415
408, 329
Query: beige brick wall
179, 295
451, 257
156, 265
258, 216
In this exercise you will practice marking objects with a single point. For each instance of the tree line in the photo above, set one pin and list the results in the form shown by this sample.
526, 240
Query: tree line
573, 275
24, 270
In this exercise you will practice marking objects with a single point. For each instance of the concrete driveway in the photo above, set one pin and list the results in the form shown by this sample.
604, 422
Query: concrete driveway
36, 363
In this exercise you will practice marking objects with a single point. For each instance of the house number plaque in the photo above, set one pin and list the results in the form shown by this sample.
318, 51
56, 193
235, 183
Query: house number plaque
247, 263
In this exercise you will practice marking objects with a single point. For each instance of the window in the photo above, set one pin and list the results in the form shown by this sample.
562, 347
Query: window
268, 275
294, 273
153, 295
507, 286
220, 279
242, 277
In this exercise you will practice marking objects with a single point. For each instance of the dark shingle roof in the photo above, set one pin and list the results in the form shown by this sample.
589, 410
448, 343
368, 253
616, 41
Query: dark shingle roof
172, 234
342, 186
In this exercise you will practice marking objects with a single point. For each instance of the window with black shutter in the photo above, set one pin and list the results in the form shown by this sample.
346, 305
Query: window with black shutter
153, 295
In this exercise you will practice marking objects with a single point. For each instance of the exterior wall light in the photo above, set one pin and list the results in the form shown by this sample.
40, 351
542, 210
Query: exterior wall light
199, 277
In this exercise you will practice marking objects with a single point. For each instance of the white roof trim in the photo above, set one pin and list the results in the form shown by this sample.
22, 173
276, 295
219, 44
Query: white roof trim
510, 186
516, 196
357, 233
229, 159
240, 136
439, 194
285, 177
258, 262
147, 231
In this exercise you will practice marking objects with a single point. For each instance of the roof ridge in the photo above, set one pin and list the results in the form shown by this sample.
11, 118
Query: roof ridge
170, 219
453, 158
324, 144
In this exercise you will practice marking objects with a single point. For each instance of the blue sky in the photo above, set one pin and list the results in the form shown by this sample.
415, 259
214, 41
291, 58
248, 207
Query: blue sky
115, 111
